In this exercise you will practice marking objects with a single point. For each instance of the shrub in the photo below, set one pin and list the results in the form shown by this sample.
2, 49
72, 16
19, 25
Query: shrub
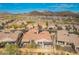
11, 49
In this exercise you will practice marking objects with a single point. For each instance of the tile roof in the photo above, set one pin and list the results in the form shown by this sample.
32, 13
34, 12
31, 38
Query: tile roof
8, 36
71, 38
33, 35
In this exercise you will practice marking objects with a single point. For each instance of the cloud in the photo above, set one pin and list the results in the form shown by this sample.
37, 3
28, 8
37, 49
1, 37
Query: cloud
63, 7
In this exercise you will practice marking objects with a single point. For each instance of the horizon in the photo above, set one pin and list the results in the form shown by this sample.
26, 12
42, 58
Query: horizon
29, 7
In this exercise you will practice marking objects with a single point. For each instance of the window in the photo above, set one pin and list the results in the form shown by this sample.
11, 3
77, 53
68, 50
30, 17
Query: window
39, 42
77, 48
60, 42
68, 44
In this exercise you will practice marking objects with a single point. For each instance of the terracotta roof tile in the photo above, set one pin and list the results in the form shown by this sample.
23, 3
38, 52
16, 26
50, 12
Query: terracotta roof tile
33, 35
71, 38
8, 36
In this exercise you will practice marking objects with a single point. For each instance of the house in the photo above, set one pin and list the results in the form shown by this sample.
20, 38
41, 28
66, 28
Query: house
8, 37
66, 39
43, 39
62, 37
77, 27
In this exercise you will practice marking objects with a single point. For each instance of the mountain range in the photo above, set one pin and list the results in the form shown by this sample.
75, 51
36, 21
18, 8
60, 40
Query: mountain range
44, 13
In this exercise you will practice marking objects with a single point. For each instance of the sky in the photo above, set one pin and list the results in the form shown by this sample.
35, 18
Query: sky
28, 7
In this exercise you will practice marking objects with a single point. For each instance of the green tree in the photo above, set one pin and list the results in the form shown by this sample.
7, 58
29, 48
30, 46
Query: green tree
32, 45
11, 49
47, 24
39, 28
15, 26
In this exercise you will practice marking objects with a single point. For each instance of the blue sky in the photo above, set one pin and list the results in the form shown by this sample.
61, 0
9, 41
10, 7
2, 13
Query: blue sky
28, 7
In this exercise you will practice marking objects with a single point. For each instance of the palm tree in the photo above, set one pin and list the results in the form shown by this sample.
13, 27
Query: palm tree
55, 40
19, 39
53, 37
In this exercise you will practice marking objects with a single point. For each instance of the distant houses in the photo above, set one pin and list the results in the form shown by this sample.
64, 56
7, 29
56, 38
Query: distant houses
43, 37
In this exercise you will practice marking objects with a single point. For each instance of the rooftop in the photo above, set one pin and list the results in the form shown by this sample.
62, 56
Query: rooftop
34, 35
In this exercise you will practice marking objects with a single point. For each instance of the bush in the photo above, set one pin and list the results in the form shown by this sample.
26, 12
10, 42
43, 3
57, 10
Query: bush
11, 49
58, 47
32, 45
75, 32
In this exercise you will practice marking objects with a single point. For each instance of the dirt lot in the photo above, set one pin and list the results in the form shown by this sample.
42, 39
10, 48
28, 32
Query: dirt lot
41, 51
